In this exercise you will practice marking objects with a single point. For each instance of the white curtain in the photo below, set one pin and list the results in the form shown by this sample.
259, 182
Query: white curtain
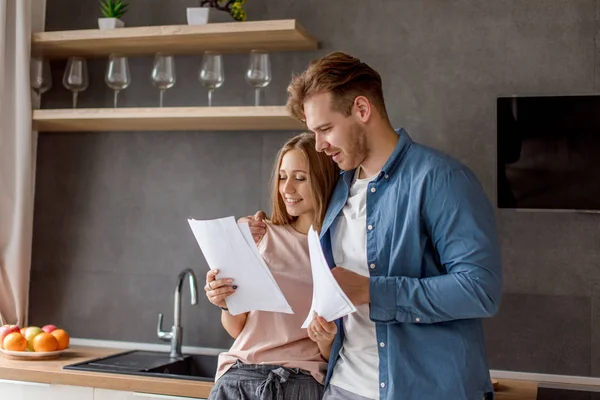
18, 19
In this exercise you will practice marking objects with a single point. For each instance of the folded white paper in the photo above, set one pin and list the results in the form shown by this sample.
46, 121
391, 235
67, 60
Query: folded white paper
329, 300
230, 248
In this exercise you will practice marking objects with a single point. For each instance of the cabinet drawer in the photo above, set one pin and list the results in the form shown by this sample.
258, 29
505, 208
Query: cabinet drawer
21, 390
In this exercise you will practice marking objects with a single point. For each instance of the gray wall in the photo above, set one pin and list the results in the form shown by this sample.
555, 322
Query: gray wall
110, 229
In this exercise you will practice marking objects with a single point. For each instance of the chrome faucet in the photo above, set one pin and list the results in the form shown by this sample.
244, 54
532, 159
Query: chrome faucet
175, 335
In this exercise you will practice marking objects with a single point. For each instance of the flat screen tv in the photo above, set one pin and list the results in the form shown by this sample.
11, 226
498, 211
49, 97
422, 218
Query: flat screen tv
548, 153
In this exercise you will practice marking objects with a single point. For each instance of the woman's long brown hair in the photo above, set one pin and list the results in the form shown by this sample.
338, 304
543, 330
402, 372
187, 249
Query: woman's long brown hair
323, 174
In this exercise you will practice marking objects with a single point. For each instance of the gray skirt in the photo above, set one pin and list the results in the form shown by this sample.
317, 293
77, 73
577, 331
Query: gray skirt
265, 382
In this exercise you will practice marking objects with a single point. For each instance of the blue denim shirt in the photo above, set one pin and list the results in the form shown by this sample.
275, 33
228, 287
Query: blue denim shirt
435, 271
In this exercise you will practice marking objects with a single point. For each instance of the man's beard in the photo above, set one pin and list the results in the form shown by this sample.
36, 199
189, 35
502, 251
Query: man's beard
357, 148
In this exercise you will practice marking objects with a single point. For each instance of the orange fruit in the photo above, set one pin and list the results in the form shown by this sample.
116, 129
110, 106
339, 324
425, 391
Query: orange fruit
63, 338
45, 342
15, 342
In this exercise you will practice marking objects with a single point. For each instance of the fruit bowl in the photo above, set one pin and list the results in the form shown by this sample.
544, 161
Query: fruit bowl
32, 342
32, 355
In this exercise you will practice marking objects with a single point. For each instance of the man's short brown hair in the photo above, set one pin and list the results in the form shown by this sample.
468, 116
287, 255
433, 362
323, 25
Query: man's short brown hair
344, 76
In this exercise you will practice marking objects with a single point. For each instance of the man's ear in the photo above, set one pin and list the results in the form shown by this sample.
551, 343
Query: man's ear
362, 108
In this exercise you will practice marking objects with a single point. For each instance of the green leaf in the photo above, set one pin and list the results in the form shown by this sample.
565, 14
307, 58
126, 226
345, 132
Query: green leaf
123, 8
113, 8
106, 8
106, 11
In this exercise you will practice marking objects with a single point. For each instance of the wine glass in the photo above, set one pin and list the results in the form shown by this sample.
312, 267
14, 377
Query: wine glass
212, 74
258, 74
163, 73
117, 74
75, 77
40, 77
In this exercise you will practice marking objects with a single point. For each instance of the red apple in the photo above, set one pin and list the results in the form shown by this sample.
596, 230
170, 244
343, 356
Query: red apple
49, 328
5, 330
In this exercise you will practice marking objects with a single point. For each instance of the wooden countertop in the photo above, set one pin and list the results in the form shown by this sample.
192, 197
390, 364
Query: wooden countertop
52, 372
516, 390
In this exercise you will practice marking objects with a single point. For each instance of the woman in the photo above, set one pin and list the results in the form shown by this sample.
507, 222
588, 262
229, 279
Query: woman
272, 356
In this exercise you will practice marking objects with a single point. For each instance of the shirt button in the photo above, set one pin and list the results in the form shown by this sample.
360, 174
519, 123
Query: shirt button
418, 319
382, 344
382, 384
370, 227
372, 266
387, 176
373, 190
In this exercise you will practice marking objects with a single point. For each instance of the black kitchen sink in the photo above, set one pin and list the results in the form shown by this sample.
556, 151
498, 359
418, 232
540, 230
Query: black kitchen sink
550, 393
153, 363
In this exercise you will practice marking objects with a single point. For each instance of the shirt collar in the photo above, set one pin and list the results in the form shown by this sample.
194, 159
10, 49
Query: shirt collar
404, 142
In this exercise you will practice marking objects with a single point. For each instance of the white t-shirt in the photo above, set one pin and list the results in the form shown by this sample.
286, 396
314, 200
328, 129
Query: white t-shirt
357, 369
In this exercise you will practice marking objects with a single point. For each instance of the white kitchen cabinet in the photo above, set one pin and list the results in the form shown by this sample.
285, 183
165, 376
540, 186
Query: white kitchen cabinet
106, 394
21, 390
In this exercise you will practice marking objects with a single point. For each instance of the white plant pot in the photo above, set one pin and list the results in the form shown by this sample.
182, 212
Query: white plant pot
110, 23
205, 15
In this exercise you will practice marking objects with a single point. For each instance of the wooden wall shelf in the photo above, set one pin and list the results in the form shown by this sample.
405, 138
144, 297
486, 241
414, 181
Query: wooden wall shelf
166, 119
229, 37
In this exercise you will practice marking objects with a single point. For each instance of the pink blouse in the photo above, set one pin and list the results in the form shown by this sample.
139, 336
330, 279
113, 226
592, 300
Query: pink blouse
277, 338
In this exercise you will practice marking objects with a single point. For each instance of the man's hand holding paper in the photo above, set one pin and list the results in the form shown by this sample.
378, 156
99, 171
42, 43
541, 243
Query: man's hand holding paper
329, 300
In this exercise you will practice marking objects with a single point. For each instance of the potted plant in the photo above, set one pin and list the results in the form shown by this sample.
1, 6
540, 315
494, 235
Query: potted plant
112, 11
216, 11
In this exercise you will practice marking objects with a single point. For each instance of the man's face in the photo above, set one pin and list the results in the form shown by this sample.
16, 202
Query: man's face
340, 137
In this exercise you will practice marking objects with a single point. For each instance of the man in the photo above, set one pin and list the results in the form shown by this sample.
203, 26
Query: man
412, 237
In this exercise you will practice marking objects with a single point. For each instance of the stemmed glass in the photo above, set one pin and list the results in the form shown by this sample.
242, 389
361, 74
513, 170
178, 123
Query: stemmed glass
163, 73
40, 77
75, 77
212, 74
117, 75
258, 74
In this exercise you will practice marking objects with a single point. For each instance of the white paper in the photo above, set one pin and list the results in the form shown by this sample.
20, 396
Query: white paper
245, 229
230, 248
329, 300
